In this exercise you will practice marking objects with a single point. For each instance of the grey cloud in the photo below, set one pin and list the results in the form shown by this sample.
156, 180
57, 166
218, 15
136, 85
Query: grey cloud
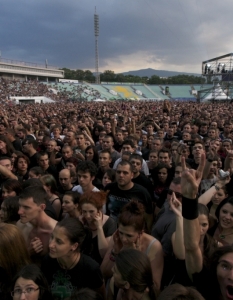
169, 32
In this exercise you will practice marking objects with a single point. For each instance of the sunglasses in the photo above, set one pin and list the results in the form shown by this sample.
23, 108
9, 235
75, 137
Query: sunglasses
178, 195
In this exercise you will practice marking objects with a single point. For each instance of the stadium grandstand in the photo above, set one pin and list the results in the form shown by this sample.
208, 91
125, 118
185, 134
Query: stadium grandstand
23, 82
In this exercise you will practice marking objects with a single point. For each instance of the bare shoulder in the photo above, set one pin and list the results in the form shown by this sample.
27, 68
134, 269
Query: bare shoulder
153, 246
52, 223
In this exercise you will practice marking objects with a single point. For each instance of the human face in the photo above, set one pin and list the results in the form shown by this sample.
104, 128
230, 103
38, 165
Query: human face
227, 129
50, 146
150, 139
68, 205
89, 212
162, 175
56, 132
22, 164
153, 157
127, 148
107, 126
214, 167
211, 134
226, 216
197, 151
144, 139
160, 134
29, 210
26, 289
149, 129
226, 145
3, 213
194, 129
123, 176
164, 157
156, 145
43, 162
204, 224
89, 154
2, 145
70, 166
137, 165
186, 136
7, 193
178, 171
104, 160
65, 179
106, 180
59, 244
119, 137
69, 137
67, 153
80, 141
225, 275
118, 280
128, 235
107, 144
85, 179
176, 188
219, 197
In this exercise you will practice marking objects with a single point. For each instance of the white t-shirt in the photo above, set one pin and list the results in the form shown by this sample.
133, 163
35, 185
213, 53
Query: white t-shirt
79, 189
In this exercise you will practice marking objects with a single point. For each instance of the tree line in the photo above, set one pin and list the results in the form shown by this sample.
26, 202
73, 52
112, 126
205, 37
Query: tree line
110, 76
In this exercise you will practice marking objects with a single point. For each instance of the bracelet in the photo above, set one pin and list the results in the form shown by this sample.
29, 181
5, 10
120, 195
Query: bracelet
190, 208
210, 160
112, 258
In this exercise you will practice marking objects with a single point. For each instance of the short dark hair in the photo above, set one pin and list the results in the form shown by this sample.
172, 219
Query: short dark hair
136, 156
87, 166
128, 142
37, 193
125, 163
31, 142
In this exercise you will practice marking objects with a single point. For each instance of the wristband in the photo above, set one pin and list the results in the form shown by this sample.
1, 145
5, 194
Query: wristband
189, 208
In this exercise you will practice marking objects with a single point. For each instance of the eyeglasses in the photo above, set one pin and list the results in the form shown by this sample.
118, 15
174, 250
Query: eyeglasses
18, 292
178, 195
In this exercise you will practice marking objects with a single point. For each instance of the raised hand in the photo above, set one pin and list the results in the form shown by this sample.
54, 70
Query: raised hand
190, 179
175, 205
98, 220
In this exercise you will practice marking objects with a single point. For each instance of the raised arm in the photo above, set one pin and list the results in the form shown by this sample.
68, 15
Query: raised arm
190, 181
178, 235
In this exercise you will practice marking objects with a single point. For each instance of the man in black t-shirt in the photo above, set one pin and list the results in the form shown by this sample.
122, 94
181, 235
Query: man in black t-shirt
124, 190
140, 178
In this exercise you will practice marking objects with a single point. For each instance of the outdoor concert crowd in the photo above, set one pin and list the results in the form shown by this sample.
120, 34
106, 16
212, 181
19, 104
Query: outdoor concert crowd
10, 88
116, 200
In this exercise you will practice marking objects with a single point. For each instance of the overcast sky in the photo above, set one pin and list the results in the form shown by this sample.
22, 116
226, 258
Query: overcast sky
134, 34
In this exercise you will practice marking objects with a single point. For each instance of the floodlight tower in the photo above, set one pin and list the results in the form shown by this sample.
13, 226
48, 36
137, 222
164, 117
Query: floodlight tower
96, 26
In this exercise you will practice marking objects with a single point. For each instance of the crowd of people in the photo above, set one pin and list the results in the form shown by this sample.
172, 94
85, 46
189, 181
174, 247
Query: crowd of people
119, 200
10, 88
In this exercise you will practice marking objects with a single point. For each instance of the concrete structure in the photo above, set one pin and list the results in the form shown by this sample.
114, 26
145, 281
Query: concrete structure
30, 100
11, 69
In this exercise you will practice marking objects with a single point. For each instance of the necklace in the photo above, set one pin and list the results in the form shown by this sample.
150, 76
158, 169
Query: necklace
222, 236
71, 266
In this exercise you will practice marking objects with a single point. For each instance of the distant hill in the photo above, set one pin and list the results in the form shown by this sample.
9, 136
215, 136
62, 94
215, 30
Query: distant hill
161, 73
